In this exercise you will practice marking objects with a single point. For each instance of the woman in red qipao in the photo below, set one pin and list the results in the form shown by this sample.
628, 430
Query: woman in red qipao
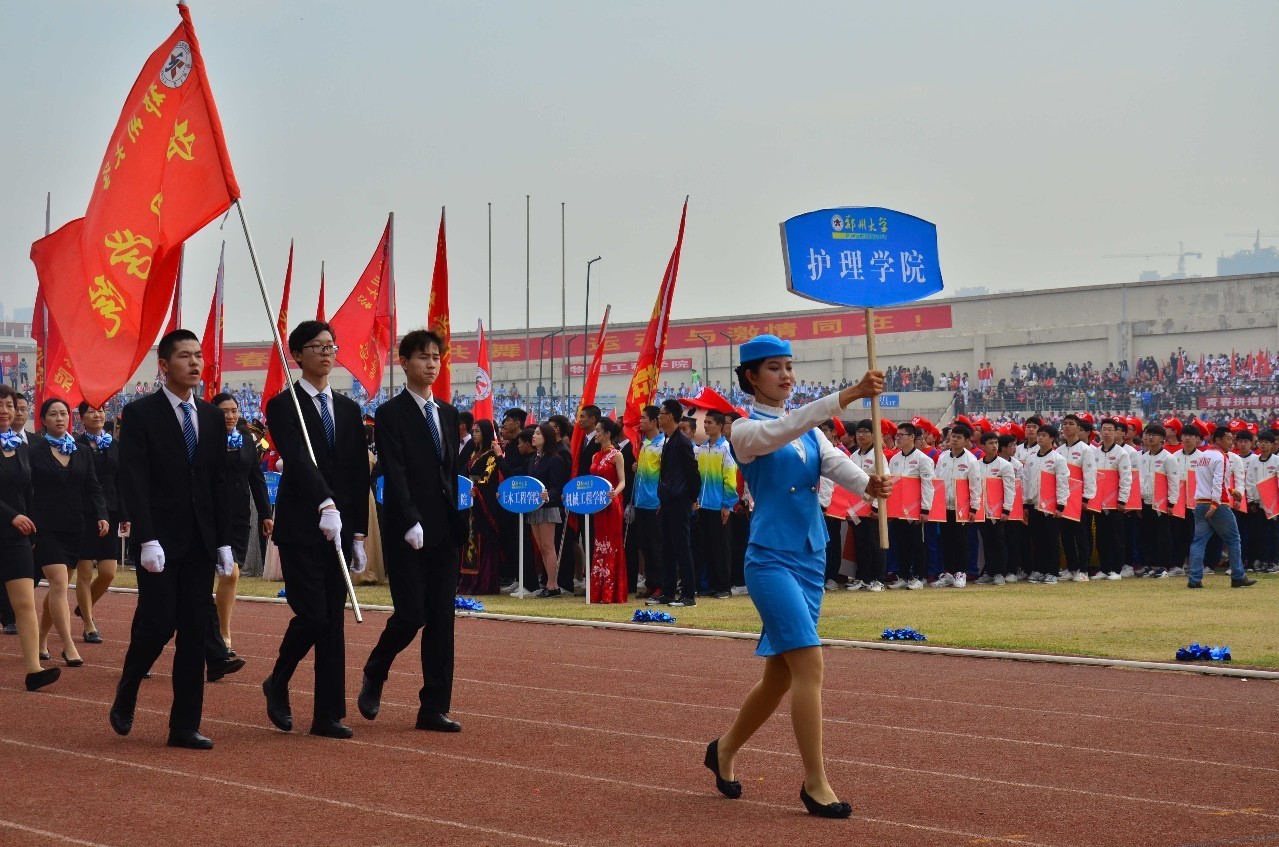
608, 558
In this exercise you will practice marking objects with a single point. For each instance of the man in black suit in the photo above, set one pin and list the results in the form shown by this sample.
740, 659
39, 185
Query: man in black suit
173, 481
466, 444
587, 418
511, 463
320, 503
421, 535
677, 487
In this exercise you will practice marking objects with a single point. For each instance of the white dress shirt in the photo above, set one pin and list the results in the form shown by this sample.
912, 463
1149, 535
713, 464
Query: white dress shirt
314, 393
174, 400
427, 405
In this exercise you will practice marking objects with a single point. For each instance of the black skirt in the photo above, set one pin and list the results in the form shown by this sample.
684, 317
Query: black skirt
15, 559
98, 549
55, 548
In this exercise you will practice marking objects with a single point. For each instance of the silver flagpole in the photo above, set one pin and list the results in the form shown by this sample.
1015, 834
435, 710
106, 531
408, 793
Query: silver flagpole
288, 380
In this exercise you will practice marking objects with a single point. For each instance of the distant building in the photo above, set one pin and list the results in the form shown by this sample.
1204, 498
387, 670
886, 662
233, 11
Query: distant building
970, 291
1259, 260
23, 315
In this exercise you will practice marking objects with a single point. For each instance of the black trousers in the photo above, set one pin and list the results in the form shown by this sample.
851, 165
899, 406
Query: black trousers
174, 601
215, 652
740, 523
1016, 541
954, 545
677, 548
834, 546
423, 585
1076, 539
1112, 531
1259, 535
716, 548
908, 539
646, 534
316, 593
1156, 538
1183, 532
631, 548
1044, 532
571, 543
870, 556
993, 542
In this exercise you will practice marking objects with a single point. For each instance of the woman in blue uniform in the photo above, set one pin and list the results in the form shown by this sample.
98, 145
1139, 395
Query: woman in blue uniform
783, 456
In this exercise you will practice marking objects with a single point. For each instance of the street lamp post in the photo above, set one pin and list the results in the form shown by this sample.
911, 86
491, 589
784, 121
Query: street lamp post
568, 375
730, 382
551, 336
586, 322
541, 360
706, 358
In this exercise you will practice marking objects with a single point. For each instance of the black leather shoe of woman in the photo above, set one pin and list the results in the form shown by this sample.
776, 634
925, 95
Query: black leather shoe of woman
732, 789
39, 679
824, 810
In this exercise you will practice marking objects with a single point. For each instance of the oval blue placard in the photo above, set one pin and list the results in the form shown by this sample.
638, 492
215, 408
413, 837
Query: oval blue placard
465, 494
861, 256
379, 489
586, 495
520, 494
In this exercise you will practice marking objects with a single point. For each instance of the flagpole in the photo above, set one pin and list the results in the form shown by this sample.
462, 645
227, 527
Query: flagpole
563, 305
390, 263
528, 299
288, 380
490, 269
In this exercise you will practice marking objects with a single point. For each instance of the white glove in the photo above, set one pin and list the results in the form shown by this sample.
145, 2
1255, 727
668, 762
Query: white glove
331, 524
414, 536
361, 559
152, 557
226, 564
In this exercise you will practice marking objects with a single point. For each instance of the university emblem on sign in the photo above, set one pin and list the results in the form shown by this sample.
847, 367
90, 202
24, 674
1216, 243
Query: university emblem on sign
178, 66
483, 386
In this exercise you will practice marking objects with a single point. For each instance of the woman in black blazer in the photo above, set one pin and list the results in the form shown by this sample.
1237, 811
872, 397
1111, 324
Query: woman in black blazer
548, 468
100, 550
244, 472
16, 564
67, 498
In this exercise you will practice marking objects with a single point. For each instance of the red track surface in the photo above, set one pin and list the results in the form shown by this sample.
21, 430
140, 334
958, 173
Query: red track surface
576, 736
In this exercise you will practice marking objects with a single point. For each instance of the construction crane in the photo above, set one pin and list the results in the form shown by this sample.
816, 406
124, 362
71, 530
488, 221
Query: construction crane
1256, 245
1181, 255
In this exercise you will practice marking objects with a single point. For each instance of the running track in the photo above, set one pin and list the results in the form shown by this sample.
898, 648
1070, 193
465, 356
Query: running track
576, 736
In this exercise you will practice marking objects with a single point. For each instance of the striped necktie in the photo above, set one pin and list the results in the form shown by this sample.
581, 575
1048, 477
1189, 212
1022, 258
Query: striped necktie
188, 430
326, 418
427, 408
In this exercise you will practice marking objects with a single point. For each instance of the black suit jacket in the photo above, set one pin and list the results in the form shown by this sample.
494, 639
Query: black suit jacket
106, 463
419, 487
466, 451
586, 454
183, 505
244, 471
340, 473
679, 477
67, 499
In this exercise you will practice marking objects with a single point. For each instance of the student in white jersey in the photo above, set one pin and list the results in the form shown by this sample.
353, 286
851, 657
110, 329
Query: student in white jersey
1131, 430
992, 465
953, 465
1181, 443
1213, 515
1016, 533
907, 536
870, 556
1262, 465
1156, 526
1045, 526
1076, 537
1111, 523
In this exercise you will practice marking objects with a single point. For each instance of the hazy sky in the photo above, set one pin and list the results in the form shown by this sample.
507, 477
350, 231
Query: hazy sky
1038, 137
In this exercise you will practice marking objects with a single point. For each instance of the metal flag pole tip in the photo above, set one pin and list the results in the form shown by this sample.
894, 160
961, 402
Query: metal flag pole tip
292, 389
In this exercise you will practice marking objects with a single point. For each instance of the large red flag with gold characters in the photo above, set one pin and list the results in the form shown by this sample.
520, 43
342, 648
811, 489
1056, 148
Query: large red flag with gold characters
108, 277
437, 316
275, 370
55, 377
363, 323
589, 385
211, 343
482, 408
648, 369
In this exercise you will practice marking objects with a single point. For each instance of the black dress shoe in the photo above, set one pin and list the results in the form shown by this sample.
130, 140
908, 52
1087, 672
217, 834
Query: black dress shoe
436, 722
221, 669
147, 675
230, 654
370, 700
71, 663
189, 739
1193, 584
93, 637
730, 788
39, 679
1242, 583
11, 629
826, 810
77, 611
122, 711
277, 706
44, 657
331, 729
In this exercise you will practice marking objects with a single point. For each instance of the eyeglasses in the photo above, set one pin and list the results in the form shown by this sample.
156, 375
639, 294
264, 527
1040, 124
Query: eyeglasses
322, 349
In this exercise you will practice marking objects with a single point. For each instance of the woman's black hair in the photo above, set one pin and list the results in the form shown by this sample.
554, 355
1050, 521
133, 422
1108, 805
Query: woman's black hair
742, 382
485, 426
612, 427
221, 398
44, 407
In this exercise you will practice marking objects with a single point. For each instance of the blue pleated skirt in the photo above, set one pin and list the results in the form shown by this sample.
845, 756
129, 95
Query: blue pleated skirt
786, 588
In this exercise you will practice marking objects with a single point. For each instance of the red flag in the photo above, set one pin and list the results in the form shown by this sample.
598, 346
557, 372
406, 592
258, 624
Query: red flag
437, 315
482, 408
592, 381
648, 369
175, 313
55, 376
319, 307
211, 343
108, 277
275, 370
363, 323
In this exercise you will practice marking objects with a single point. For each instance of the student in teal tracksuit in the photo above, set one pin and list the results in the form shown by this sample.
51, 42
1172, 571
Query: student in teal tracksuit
783, 456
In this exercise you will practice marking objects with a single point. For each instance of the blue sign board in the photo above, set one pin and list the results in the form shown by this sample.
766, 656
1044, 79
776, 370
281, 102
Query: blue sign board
379, 488
886, 401
272, 485
861, 256
520, 494
465, 496
586, 495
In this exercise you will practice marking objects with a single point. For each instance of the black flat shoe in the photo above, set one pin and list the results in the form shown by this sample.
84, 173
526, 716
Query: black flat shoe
732, 789
44, 657
77, 612
221, 669
122, 710
370, 700
277, 706
436, 722
331, 729
828, 810
71, 663
189, 739
230, 654
39, 679
94, 637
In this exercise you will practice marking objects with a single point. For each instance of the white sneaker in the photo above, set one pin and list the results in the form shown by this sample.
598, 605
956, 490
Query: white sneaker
1080, 576
855, 585
510, 589
1066, 576
832, 585
1022, 575
898, 583
739, 591
1050, 580
1159, 573
1177, 571
874, 585
944, 581
1000, 579
986, 579
961, 580
915, 584
1114, 577
1035, 577
1011, 578
641, 583
1127, 572
579, 585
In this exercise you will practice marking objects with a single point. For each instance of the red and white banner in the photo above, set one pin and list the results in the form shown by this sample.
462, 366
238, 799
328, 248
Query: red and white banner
1247, 401
576, 369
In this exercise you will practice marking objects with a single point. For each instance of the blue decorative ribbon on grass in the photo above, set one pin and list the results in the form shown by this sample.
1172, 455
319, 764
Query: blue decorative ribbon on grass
652, 616
1203, 653
468, 604
906, 634
280, 593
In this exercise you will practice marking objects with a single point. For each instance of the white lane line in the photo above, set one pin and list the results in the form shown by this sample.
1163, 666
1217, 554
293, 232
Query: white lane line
52, 836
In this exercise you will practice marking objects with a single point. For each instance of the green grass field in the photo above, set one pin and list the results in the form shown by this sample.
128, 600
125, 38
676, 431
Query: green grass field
1134, 619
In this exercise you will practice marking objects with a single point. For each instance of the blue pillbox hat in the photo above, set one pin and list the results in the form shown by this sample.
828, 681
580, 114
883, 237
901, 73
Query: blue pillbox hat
764, 347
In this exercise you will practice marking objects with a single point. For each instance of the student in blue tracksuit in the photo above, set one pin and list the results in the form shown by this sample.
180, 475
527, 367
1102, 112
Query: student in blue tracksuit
783, 457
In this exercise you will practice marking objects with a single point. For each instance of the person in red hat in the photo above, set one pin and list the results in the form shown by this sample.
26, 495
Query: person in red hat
1211, 492
870, 556
1156, 526
1081, 462
908, 535
1263, 532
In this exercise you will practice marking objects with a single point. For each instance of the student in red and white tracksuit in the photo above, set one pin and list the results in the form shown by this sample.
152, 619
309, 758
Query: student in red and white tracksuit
993, 541
1016, 533
1045, 526
1075, 535
907, 537
1111, 523
1156, 526
870, 556
953, 465
1132, 432
1262, 531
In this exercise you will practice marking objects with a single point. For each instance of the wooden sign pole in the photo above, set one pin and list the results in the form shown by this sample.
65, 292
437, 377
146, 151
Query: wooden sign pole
874, 421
